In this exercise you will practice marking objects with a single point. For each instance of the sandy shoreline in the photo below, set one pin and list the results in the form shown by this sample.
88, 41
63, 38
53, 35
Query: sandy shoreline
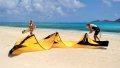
58, 57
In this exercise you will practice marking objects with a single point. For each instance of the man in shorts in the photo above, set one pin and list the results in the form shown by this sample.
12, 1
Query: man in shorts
95, 28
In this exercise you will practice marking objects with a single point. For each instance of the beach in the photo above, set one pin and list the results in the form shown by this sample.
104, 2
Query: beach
59, 57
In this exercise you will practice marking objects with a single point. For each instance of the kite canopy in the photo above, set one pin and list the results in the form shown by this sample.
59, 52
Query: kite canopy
30, 44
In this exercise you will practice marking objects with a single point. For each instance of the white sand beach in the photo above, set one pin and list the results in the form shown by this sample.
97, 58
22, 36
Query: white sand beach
58, 57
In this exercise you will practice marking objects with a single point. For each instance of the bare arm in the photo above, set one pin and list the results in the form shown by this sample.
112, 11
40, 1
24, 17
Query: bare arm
90, 29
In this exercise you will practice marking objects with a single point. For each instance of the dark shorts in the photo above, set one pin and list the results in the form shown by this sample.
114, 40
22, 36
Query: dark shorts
97, 31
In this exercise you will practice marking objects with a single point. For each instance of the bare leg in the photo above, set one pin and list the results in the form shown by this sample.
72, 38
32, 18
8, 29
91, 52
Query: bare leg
95, 37
31, 31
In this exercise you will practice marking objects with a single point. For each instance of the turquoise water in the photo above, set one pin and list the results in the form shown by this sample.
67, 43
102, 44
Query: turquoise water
80, 26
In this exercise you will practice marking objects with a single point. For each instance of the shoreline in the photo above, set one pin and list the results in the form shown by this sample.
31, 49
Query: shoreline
104, 33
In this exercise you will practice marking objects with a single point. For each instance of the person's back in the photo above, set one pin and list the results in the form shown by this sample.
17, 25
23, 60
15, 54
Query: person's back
94, 27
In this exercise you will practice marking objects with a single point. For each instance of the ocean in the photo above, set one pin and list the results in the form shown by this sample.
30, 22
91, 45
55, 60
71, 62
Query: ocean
79, 26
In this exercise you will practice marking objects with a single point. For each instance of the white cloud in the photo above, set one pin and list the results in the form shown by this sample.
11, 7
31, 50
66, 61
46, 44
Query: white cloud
107, 2
110, 2
40, 6
71, 3
59, 9
26, 5
9, 4
116, 0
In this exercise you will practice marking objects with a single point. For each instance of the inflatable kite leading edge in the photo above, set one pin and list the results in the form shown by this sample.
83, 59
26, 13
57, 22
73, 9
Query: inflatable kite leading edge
30, 44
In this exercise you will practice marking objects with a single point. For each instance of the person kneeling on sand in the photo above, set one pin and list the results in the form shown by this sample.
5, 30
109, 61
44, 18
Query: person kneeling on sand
95, 28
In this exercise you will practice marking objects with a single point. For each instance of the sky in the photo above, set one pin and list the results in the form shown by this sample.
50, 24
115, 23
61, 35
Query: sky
59, 10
